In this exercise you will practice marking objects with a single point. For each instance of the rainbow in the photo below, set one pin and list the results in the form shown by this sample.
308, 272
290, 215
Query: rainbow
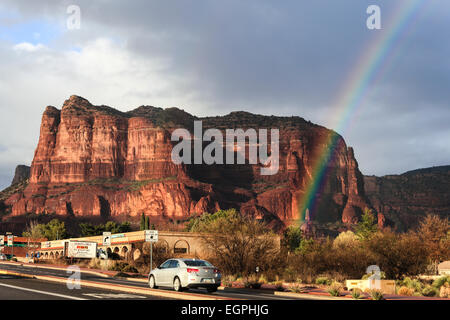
371, 65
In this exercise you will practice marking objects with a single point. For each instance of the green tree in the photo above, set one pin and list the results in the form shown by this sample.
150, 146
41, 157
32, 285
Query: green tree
142, 226
33, 231
53, 230
88, 230
147, 223
292, 238
367, 226
124, 227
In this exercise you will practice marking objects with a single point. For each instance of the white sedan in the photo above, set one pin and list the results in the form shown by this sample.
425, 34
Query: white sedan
182, 274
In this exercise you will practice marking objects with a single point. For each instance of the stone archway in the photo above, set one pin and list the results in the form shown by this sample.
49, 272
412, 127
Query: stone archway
124, 251
163, 245
181, 247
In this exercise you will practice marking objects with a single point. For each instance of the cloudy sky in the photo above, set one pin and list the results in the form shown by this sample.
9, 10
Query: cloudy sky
214, 57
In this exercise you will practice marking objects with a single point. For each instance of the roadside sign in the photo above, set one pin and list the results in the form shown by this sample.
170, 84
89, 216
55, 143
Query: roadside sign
82, 249
106, 238
151, 235
10, 240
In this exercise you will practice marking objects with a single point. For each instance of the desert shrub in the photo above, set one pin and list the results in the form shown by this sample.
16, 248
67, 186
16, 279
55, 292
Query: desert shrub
346, 239
439, 282
414, 284
323, 280
263, 279
356, 293
252, 282
227, 280
376, 294
430, 291
279, 286
129, 268
296, 287
290, 274
444, 292
405, 291
335, 289
368, 275
122, 267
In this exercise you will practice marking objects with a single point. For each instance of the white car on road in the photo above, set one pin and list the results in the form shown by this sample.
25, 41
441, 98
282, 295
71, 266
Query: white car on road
182, 274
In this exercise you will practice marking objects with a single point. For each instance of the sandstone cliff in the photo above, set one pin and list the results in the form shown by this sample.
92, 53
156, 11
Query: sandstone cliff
404, 199
22, 173
98, 161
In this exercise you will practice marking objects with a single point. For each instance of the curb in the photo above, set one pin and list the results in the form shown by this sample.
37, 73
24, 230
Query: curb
123, 288
308, 295
137, 280
12, 273
316, 296
32, 265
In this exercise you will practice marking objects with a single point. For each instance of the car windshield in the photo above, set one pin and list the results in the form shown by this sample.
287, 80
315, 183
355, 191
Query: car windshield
197, 263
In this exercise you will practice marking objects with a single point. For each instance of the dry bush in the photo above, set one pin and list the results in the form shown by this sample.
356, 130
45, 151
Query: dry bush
398, 255
336, 262
159, 255
444, 292
405, 291
239, 245
434, 232
335, 289
376, 294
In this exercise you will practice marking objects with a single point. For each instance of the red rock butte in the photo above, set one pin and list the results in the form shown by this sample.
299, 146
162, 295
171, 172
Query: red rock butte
98, 161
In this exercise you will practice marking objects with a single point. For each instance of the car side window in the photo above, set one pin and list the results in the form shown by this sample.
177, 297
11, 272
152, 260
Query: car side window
166, 264
174, 264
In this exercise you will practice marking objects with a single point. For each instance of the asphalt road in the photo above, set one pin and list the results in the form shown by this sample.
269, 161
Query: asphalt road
61, 288
21, 288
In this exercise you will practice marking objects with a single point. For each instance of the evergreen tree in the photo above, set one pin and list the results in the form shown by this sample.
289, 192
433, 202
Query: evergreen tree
147, 223
368, 226
142, 227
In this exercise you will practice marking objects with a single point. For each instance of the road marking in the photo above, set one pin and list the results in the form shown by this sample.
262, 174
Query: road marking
113, 296
42, 292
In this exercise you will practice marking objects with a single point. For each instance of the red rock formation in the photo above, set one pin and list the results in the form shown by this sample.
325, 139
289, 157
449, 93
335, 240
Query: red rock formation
97, 161
404, 199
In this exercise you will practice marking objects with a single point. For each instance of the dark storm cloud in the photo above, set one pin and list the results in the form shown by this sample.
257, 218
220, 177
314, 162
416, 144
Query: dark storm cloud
269, 57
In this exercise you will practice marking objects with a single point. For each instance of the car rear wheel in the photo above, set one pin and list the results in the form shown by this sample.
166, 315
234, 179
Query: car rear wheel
177, 285
211, 289
151, 283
